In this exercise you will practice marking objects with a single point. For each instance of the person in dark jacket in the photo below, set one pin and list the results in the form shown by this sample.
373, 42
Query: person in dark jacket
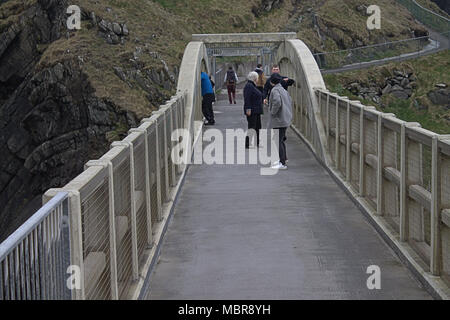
231, 80
261, 82
285, 82
252, 106
208, 99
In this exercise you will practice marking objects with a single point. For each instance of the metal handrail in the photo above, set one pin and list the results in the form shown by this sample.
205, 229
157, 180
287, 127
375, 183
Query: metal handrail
432, 12
7, 246
374, 45
35, 258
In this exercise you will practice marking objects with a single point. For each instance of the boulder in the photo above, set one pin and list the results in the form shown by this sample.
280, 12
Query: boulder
387, 89
399, 92
404, 82
125, 30
117, 29
119, 72
104, 26
440, 96
115, 39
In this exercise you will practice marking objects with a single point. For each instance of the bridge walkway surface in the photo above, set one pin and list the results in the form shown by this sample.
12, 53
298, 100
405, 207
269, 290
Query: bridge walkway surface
238, 235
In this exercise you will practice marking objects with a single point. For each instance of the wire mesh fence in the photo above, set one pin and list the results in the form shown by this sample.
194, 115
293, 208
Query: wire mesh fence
34, 259
390, 51
404, 177
429, 18
96, 235
116, 205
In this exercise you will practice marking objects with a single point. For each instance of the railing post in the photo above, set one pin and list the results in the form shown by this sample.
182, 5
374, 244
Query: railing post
380, 165
158, 170
148, 201
112, 225
76, 233
301, 111
134, 246
381, 141
348, 145
320, 101
165, 153
337, 154
112, 235
169, 158
435, 207
361, 152
403, 186
328, 117
404, 181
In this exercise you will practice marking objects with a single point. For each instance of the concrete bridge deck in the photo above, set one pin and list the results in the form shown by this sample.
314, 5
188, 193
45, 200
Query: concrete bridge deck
238, 235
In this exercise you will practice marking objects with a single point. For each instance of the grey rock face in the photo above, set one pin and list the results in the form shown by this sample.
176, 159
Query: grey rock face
266, 6
440, 96
400, 94
40, 24
52, 125
112, 32
51, 122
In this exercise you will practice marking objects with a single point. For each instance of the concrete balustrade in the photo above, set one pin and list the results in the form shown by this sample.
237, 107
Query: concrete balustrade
120, 202
403, 178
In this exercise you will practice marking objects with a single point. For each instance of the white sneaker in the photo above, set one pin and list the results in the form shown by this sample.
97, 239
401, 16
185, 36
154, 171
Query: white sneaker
279, 166
278, 162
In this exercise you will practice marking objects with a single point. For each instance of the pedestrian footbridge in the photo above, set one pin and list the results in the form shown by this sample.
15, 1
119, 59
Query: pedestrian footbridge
366, 194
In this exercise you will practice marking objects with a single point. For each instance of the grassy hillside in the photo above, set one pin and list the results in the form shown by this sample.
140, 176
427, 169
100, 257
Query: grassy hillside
433, 7
429, 71
165, 27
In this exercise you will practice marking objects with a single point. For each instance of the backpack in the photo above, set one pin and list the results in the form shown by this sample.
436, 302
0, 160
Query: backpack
231, 79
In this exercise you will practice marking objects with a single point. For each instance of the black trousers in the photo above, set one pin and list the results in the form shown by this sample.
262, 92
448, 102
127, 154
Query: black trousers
282, 145
254, 122
207, 108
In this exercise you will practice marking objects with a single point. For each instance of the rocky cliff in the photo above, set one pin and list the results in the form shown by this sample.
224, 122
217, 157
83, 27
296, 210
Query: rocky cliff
51, 122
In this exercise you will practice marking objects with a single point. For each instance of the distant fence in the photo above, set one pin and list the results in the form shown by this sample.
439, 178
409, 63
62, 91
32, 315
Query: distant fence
427, 17
220, 75
383, 52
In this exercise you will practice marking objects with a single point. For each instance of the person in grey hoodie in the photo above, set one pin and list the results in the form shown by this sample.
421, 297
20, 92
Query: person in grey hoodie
280, 117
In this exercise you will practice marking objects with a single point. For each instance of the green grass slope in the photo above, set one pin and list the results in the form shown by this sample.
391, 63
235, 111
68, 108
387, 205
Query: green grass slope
429, 71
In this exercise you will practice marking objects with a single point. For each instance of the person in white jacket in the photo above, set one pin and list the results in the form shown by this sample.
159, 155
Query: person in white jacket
280, 118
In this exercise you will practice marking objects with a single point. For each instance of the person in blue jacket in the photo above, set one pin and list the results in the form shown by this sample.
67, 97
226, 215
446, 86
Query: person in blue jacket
208, 99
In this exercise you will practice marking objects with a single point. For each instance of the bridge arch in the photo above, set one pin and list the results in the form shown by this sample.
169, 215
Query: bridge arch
297, 62
195, 60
